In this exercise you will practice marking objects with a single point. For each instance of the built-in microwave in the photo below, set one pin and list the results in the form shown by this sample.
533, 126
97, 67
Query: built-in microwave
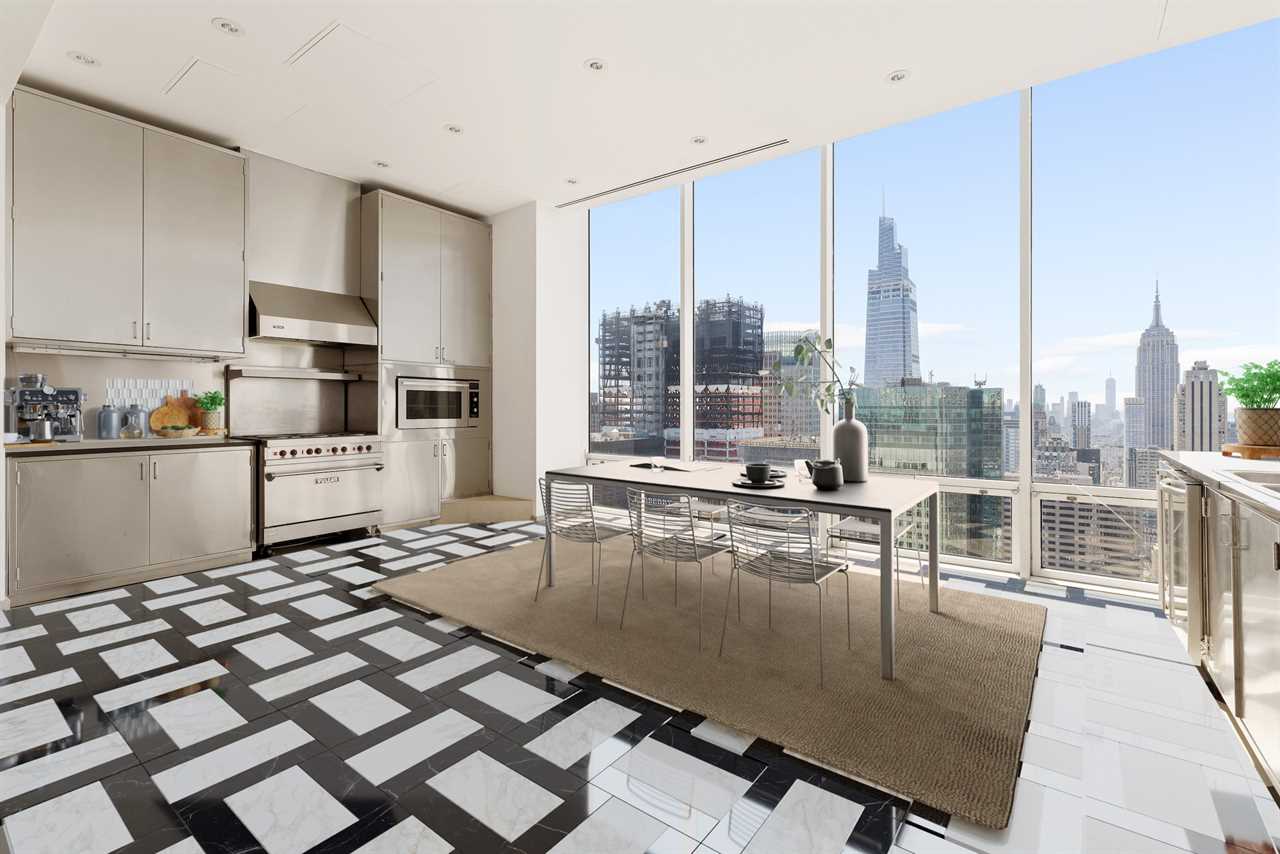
425, 403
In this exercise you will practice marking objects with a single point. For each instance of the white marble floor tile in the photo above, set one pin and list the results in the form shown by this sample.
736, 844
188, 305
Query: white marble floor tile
722, 736
1153, 727
1061, 630
358, 575
358, 623
135, 658
186, 597
284, 594
271, 651
617, 827
110, 636
192, 719
444, 526
31, 726
25, 633
163, 586
1057, 704
322, 607
383, 552
203, 771
186, 846
501, 540
289, 812
410, 836
211, 613
29, 776
416, 744
92, 619
356, 544
36, 685
1153, 784
1148, 827
14, 661
447, 667
326, 565
226, 571
512, 697
1063, 664
304, 556
559, 670
807, 819
237, 630
359, 707
1058, 756
460, 550
265, 580
84, 821
136, 692
404, 535
583, 732
59, 605
1164, 646
440, 624
412, 561
431, 542
913, 840
300, 678
507, 526
1103, 838
471, 533
400, 644
367, 593
535, 530
1044, 821
493, 794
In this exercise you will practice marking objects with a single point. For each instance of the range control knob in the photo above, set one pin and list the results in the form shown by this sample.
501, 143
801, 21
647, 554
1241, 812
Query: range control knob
334, 449
344, 449
293, 452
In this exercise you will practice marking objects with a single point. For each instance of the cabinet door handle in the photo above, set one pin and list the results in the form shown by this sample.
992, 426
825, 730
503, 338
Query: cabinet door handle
134, 333
444, 449
147, 330
154, 470
142, 469
435, 450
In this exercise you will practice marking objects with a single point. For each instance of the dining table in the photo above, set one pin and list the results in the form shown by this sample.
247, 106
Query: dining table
880, 499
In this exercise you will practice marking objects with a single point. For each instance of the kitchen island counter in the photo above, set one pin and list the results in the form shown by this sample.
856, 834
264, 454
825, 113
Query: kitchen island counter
1221, 472
102, 446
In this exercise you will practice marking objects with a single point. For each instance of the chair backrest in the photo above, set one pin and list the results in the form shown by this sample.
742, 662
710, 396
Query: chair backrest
657, 517
568, 509
774, 540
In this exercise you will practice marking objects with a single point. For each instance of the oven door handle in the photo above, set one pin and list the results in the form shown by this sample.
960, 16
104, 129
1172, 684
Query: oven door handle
272, 475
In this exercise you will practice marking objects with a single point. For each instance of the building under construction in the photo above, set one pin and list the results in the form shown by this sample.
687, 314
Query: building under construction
639, 351
728, 342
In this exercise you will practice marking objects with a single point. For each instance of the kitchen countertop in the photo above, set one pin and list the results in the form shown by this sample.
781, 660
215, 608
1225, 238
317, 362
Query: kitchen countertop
1215, 470
101, 446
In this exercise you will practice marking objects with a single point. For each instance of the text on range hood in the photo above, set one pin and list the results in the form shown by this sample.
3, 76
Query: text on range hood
302, 314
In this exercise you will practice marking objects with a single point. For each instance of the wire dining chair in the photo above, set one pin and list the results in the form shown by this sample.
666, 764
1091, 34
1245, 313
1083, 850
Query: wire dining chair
779, 544
852, 530
570, 512
665, 526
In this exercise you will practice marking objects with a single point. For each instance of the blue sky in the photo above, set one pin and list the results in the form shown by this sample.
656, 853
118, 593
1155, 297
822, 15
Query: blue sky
1164, 166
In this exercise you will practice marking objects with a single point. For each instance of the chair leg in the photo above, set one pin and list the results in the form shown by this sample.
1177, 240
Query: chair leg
724, 626
642, 595
897, 574
819, 586
598, 586
699, 606
770, 604
675, 574
627, 591
726, 606
848, 608
546, 547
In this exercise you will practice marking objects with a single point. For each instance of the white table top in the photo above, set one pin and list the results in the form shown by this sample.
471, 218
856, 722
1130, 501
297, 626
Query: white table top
880, 494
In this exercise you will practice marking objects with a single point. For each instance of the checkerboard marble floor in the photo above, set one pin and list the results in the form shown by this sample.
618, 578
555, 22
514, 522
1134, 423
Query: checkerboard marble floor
283, 706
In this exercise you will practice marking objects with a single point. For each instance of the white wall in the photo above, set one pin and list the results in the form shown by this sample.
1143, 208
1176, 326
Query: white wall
540, 344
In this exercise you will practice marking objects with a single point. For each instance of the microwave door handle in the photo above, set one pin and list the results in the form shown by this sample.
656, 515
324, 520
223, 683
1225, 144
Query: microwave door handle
273, 475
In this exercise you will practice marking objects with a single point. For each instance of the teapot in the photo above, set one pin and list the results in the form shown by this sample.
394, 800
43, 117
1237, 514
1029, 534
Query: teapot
827, 474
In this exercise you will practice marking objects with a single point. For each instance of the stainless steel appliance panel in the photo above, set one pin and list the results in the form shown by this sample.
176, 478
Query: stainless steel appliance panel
435, 403
223, 525
1222, 610
1181, 553
1259, 563
464, 467
389, 373
306, 492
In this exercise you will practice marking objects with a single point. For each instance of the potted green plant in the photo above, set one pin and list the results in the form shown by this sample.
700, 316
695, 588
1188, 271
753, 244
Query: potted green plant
850, 438
211, 403
1257, 388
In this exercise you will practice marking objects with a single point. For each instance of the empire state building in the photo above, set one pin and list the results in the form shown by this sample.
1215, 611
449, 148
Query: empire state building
1156, 378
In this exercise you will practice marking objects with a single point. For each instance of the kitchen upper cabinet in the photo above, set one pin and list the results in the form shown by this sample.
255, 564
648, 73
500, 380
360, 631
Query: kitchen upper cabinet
467, 262
193, 230
77, 224
74, 519
409, 306
183, 527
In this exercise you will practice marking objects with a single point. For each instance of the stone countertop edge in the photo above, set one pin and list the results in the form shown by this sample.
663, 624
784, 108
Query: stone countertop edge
107, 446
1214, 469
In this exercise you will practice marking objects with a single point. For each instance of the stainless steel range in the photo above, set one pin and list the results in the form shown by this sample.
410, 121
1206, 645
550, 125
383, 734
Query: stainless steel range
314, 484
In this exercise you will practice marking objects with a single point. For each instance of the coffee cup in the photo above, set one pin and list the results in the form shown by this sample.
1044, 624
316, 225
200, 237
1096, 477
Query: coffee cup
758, 472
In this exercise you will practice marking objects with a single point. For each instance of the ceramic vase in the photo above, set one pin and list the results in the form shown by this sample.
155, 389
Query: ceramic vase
851, 445
1258, 426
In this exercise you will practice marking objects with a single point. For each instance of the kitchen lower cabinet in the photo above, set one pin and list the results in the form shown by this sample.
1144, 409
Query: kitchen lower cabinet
199, 503
412, 489
76, 518
1222, 608
87, 521
464, 467
1258, 556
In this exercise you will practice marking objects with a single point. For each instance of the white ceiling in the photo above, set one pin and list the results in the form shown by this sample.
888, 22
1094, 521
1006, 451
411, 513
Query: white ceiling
335, 86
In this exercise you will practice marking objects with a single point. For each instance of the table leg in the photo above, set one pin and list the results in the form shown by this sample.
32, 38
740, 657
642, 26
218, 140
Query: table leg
551, 544
933, 553
888, 607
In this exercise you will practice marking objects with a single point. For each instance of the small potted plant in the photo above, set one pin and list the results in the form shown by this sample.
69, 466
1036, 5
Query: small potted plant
1257, 388
211, 403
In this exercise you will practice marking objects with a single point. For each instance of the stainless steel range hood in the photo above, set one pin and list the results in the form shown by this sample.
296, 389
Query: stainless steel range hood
301, 314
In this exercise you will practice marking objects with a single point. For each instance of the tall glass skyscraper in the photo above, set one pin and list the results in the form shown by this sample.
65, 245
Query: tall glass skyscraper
1156, 378
893, 324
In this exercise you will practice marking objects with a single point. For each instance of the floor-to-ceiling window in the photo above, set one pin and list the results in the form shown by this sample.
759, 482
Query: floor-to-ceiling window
756, 261
635, 326
1156, 215
926, 308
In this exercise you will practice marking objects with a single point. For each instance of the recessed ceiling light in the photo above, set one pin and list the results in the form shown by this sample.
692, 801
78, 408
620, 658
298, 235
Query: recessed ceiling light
594, 65
82, 58
455, 129
228, 26
699, 140
571, 180
381, 164
897, 75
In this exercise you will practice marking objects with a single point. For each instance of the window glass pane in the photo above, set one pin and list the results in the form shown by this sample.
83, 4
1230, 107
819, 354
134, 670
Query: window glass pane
1098, 538
926, 235
756, 238
635, 326
1157, 210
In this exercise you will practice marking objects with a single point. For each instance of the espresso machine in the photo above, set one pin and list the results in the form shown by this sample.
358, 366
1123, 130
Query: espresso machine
41, 413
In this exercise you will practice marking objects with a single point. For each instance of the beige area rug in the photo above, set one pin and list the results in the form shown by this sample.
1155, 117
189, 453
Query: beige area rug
948, 731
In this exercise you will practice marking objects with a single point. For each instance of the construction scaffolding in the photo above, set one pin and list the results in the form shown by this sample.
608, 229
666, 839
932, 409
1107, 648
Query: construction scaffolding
729, 344
639, 352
